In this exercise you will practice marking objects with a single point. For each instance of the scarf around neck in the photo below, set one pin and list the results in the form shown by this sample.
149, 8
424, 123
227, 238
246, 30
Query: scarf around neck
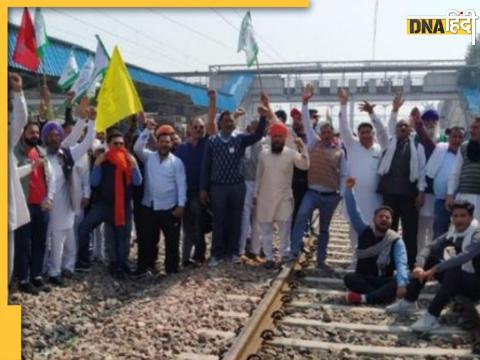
389, 153
119, 159
381, 249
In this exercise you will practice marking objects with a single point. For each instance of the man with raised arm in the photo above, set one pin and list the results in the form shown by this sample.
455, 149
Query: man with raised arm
63, 154
440, 160
113, 176
380, 252
454, 260
18, 214
223, 185
163, 200
273, 191
363, 158
400, 170
325, 181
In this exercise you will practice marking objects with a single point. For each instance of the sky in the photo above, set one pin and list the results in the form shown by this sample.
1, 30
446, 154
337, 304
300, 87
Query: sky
167, 40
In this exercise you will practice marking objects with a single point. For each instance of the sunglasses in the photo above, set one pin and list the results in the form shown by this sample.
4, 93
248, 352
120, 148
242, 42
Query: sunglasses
118, 143
199, 127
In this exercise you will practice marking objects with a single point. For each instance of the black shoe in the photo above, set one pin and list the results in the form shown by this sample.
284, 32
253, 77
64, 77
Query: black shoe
56, 281
269, 264
67, 274
83, 268
138, 274
119, 275
188, 263
40, 285
128, 271
325, 269
28, 288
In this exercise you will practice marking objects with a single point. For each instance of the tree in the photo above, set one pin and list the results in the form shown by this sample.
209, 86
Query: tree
473, 53
470, 75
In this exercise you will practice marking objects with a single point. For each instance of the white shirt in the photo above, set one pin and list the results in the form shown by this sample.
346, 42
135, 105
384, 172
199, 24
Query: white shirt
362, 163
165, 180
18, 213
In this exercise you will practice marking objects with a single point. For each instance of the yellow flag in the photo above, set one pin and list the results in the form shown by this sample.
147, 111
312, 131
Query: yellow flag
118, 97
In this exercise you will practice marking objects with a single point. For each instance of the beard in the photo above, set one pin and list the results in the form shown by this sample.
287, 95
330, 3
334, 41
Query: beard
277, 148
53, 148
381, 228
433, 133
31, 142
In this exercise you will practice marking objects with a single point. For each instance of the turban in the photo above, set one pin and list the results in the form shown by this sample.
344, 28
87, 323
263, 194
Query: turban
430, 115
164, 130
48, 128
295, 112
278, 129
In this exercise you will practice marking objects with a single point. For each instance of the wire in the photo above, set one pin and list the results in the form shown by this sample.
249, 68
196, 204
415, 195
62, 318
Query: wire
205, 36
164, 56
150, 37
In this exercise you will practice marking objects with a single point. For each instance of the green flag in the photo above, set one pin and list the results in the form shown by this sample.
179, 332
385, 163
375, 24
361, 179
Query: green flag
84, 79
69, 73
246, 41
99, 68
40, 33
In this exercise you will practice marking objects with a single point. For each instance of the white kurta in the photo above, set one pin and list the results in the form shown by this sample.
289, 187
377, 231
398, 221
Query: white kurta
273, 185
18, 213
362, 164
81, 183
62, 214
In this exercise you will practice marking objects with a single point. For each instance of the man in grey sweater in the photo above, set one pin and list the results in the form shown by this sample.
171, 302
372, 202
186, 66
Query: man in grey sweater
454, 260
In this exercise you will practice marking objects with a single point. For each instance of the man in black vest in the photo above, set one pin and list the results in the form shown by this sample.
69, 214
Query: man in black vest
454, 260
380, 252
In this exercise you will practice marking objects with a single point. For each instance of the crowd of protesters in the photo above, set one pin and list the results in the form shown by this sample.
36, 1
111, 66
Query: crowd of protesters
76, 196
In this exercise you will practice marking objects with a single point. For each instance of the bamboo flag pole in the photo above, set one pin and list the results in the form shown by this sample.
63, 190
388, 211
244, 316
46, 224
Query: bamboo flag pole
258, 74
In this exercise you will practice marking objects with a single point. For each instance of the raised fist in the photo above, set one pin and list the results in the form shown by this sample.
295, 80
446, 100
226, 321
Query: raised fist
350, 182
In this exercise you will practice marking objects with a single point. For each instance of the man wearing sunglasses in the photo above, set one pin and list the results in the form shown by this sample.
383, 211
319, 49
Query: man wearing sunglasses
113, 176
191, 153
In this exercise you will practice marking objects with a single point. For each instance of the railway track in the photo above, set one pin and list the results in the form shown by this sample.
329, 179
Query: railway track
304, 316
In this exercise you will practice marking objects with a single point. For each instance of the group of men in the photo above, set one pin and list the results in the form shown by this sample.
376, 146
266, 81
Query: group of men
65, 182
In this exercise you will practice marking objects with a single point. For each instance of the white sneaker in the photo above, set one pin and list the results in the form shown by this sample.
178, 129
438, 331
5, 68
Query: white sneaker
401, 306
214, 262
352, 268
236, 259
426, 323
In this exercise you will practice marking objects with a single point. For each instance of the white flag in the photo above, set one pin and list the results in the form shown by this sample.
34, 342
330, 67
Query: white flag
69, 73
83, 81
246, 41
100, 67
40, 33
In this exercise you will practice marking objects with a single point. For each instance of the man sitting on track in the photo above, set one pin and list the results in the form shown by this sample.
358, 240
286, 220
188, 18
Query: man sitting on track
458, 273
379, 252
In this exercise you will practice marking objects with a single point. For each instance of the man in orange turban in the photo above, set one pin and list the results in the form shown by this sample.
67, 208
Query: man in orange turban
273, 192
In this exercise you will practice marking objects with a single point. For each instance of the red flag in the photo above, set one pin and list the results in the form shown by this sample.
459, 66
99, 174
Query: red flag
25, 52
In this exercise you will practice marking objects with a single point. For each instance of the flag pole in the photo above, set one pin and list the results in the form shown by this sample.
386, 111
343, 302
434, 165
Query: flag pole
258, 74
